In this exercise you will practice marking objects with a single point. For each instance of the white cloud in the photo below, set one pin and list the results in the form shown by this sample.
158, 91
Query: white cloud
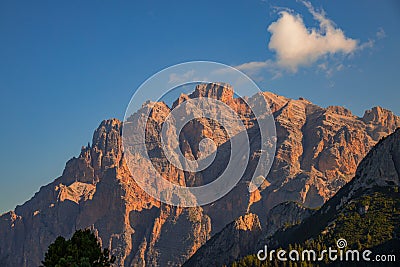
369, 44
254, 68
329, 68
380, 34
181, 78
296, 45
255, 65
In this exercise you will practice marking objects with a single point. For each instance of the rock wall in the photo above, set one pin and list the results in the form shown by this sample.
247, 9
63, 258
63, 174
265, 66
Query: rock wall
318, 150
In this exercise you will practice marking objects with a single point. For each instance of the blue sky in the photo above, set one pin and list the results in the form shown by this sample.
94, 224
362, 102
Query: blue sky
65, 66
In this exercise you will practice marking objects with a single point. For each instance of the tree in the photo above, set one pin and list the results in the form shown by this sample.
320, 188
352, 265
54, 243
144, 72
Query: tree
82, 250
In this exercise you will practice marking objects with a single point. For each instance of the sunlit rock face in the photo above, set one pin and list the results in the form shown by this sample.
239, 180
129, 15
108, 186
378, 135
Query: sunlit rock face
318, 150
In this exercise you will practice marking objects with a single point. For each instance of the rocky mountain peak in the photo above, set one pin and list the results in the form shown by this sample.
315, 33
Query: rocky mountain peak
106, 149
381, 166
340, 111
275, 101
220, 91
157, 111
107, 136
380, 121
104, 153
378, 115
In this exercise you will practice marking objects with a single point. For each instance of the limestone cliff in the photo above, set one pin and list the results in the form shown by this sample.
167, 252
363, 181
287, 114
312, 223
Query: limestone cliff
318, 150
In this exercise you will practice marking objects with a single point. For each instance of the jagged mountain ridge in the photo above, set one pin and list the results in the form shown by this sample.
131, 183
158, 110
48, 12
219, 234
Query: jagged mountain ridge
317, 151
378, 172
365, 212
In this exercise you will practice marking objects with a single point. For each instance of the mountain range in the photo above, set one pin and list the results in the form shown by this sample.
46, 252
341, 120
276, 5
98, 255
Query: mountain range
318, 151
365, 213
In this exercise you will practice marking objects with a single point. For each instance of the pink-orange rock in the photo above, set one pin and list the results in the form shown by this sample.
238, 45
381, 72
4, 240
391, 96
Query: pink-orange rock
318, 150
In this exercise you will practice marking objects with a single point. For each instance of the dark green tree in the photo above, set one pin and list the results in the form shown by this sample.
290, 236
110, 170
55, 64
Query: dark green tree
82, 250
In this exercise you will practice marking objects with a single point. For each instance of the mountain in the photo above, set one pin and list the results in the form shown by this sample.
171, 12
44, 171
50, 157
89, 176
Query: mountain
318, 150
365, 212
